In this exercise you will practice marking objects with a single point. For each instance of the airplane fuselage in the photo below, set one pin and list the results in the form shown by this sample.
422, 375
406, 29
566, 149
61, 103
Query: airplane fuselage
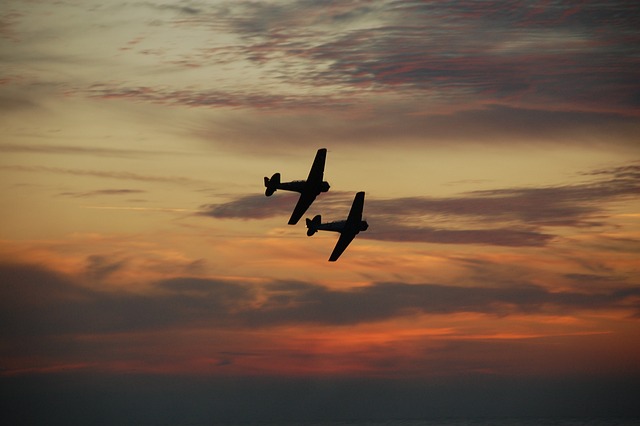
304, 186
341, 226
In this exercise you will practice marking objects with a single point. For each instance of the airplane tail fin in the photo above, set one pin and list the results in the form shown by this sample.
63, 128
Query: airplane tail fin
312, 225
271, 184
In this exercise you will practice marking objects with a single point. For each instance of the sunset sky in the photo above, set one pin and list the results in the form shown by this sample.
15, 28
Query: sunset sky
497, 142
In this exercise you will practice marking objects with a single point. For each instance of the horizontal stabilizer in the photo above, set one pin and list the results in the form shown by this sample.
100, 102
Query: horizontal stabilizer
313, 224
271, 184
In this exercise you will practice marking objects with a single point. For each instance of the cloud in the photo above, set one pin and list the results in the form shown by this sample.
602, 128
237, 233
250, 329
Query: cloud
497, 236
8, 24
406, 122
303, 302
10, 103
415, 73
100, 192
65, 304
100, 267
505, 217
409, 72
568, 205
79, 150
213, 98
176, 180
529, 53
251, 207
189, 10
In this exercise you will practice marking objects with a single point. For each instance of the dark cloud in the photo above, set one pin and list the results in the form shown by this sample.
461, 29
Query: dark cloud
38, 302
302, 302
513, 205
100, 267
389, 231
251, 207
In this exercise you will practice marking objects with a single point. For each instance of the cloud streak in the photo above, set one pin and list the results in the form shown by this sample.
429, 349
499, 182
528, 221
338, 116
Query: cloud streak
177, 180
215, 98
504, 217
78, 150
100, 192
506, 237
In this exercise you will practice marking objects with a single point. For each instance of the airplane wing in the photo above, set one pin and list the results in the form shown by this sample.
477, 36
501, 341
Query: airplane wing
355, 214
301, 207
316, 173
352, 227
344, 240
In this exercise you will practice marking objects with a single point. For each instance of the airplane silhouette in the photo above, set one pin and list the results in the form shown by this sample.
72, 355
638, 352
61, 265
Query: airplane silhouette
309, 189
348, 229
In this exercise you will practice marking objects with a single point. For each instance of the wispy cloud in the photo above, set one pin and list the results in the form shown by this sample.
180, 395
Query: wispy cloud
141, 209
411, 123
100, 192
216, 98
79, 150
7, 25
177, 180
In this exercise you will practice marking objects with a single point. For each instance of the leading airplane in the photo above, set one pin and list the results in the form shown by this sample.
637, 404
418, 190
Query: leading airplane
348, 229
309, 189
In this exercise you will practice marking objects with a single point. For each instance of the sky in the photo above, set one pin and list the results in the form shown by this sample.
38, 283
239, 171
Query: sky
146, 277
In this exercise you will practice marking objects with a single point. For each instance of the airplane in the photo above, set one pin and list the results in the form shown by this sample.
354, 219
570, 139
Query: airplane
309, 189
348, 229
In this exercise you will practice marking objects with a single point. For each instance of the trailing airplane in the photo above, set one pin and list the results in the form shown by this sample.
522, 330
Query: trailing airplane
348, 229
309, 189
